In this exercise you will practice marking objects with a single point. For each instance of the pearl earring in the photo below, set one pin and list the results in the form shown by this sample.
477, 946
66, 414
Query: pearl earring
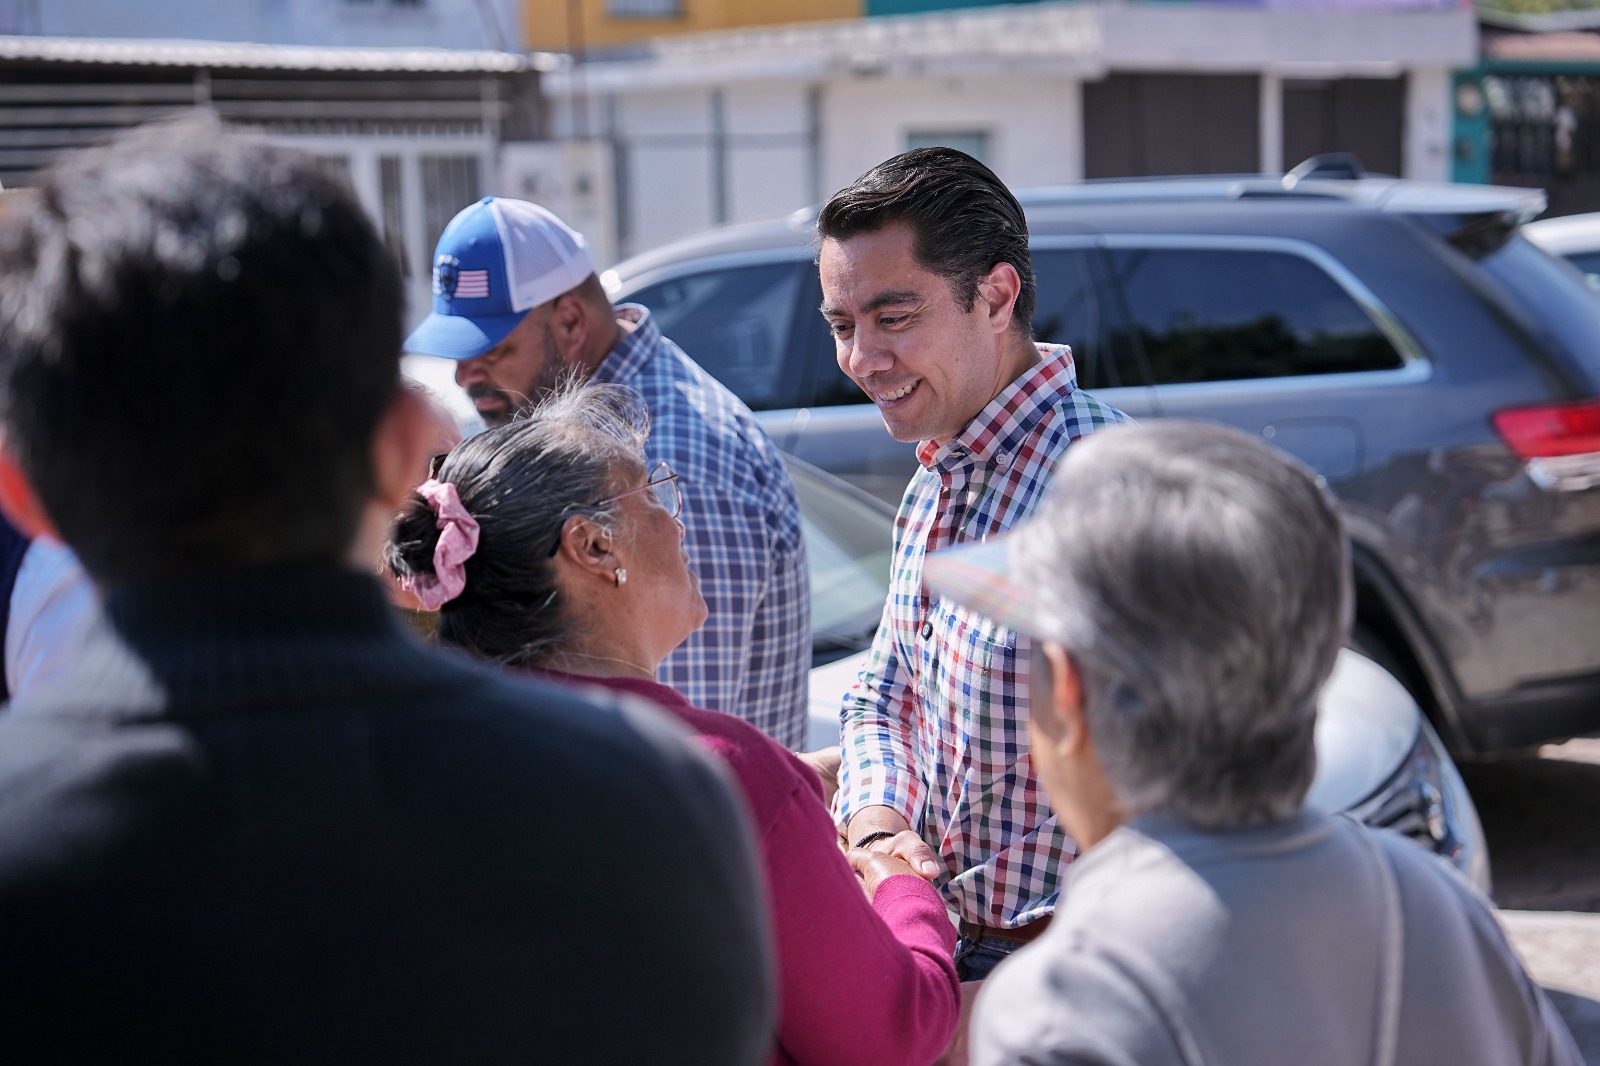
621, 576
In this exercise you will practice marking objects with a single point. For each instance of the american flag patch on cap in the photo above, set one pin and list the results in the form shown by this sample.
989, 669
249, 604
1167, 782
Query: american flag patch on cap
472, 284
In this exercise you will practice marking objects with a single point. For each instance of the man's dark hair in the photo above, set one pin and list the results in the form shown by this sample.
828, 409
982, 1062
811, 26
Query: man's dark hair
199, 333
963, 218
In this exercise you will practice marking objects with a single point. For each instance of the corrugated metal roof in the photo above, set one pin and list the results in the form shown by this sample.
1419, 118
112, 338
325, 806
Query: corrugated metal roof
223, 55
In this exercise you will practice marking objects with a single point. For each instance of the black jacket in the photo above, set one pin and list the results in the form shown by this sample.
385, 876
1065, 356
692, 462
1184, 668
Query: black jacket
261, 824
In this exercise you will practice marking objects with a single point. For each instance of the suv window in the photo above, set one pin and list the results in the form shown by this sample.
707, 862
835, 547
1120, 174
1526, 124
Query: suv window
736, 323
1215, 314
1067, 311
1538, 283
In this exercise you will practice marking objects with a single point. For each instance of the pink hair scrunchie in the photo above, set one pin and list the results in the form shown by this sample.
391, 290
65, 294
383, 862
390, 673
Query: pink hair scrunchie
458, 539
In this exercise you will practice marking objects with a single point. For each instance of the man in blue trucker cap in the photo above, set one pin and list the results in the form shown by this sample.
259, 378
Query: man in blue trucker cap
517, 303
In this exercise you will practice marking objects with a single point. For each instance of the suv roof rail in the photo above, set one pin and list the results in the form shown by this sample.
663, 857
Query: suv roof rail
1327, 166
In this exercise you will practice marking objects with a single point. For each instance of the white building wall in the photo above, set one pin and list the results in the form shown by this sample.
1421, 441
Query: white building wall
683, 168
1033, 124
667, 191
572, 178
771, 157
1012, 74
787, 145
1427, 141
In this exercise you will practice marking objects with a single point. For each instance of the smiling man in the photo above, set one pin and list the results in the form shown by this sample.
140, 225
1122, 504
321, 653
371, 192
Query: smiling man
928, 288
518, 306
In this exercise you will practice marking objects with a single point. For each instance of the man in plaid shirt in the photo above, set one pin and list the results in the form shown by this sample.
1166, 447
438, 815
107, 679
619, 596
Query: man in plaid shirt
928, 287
518, 305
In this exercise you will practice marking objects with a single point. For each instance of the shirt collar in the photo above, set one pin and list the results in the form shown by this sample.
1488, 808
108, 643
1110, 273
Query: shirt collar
627, 359
997, 430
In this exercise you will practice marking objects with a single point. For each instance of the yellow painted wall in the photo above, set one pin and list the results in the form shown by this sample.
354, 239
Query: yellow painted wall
550, 28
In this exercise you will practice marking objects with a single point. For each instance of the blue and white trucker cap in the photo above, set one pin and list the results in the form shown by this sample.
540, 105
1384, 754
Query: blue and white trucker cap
497, 260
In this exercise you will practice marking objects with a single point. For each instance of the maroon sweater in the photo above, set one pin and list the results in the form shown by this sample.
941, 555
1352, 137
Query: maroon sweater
858, 982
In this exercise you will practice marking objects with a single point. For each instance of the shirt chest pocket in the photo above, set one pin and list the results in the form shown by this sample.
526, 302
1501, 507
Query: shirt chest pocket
969, 667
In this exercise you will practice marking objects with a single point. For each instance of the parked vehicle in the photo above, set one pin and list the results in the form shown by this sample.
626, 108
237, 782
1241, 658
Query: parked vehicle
1435, 367
1377, 757
1575, 238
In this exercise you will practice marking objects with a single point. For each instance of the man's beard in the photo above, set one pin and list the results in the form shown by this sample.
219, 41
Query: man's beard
551, 374
492, 418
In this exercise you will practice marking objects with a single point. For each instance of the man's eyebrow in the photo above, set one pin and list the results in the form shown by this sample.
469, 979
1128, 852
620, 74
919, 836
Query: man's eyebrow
891, 298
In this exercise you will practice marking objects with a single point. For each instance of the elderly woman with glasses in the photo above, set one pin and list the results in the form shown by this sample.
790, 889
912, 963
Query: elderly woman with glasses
551, 545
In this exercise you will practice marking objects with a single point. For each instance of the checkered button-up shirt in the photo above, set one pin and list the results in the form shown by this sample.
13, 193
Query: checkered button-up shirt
936, 726
742, 531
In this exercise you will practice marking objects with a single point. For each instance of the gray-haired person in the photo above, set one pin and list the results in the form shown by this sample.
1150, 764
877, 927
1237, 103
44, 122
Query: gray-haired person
1188, 590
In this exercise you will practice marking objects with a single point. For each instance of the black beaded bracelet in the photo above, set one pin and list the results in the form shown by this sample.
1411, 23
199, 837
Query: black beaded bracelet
873, 838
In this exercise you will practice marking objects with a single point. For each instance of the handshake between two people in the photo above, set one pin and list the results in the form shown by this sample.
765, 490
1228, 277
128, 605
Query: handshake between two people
880, 843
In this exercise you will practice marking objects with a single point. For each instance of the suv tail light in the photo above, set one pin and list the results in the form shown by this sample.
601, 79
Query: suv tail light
1557, 429
1561, 442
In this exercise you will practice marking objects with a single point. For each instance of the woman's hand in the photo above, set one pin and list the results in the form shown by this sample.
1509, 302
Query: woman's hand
874, 867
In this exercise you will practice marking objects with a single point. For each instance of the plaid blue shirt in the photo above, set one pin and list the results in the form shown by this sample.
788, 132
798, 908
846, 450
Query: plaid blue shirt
742, 531
936, 727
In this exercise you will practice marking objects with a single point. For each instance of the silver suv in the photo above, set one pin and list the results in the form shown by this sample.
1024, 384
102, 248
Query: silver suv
1440, 372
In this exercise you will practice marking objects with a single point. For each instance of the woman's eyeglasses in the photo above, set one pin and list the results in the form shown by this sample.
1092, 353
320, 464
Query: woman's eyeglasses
662, 481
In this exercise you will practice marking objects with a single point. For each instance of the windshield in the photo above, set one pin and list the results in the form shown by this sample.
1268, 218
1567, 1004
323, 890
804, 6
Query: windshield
849, 548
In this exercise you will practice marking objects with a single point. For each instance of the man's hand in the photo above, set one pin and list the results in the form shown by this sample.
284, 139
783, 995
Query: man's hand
825, 761
904, 844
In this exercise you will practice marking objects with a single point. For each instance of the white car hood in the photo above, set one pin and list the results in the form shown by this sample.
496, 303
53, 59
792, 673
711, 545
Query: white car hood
1366, 725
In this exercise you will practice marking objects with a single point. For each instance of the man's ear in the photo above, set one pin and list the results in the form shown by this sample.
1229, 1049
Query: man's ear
20, 503
401, 447
1069, 729
998, 292
571, 326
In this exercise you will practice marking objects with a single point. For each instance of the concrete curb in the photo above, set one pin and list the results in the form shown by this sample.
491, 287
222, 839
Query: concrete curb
1560, 949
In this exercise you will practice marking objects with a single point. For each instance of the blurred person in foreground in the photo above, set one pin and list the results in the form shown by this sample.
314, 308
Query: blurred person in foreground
257, 822
46, 600
518, 306
1188, 589
553, 546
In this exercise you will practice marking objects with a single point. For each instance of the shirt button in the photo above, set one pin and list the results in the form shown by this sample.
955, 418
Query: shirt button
927, 630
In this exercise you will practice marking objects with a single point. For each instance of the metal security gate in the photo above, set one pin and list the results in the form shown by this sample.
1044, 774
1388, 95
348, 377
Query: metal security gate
412, 186
1544, 132
1364, 116
1139, 125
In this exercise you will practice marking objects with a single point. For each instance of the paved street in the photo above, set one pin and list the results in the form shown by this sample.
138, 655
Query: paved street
1542, 816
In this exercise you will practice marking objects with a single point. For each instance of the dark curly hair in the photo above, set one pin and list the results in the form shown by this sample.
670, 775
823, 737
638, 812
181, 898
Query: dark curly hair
199, 332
